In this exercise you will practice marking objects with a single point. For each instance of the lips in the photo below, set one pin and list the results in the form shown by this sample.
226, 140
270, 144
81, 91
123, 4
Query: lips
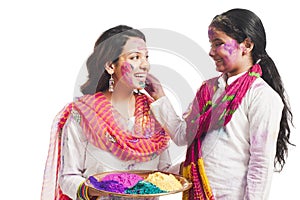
140, 76
218, 61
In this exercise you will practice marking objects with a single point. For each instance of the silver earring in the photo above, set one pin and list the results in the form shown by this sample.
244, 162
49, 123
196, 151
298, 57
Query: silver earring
111, 84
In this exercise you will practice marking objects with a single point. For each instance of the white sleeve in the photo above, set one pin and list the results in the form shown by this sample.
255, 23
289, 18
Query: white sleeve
72, 159
164, 161
265, 113
169, 120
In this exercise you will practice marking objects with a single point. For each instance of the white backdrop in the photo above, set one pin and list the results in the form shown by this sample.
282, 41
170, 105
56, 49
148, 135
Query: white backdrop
43, 45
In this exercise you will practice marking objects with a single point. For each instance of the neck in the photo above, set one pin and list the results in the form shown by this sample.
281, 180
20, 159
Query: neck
122, 95
119, 94
123, 101
244, 67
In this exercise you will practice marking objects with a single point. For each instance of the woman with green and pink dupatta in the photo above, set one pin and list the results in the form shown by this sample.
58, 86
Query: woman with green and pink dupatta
237, 127
111, 126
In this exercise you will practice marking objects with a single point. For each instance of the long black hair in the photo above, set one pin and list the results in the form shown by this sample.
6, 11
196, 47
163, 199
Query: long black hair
240, 24
107, 49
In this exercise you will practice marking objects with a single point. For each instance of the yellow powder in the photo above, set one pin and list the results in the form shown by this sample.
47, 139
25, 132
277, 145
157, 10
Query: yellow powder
164, 181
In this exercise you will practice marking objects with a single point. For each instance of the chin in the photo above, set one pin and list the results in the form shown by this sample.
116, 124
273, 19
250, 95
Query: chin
139, 88
219, 69
136, 87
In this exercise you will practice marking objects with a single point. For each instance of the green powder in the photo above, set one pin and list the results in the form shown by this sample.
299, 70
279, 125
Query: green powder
144, 187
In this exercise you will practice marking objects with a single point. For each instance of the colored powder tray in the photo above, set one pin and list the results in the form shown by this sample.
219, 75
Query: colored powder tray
138, 184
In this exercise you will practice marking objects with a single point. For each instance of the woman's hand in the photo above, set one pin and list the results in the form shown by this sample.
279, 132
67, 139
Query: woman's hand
93, 195
153, 87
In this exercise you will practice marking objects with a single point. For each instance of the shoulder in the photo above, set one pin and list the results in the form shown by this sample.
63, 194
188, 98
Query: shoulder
261, 91
90, 98
212, 81
261, 87
69, 121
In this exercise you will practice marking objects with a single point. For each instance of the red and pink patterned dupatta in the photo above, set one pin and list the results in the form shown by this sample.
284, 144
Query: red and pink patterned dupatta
205, 116
101, 128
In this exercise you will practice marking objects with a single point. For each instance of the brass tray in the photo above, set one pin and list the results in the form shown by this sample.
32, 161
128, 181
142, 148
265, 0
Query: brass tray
186, 185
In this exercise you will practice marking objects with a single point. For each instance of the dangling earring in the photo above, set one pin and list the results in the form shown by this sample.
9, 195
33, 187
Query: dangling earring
111, 84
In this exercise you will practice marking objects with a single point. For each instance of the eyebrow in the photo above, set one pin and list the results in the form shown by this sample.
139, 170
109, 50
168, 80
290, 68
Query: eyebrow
216, 40
132, 52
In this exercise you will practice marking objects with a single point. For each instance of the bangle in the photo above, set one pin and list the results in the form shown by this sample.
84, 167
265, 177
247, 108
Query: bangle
82, 192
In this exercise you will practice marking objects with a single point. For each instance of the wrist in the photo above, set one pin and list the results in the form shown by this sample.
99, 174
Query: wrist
83, 192
158, 95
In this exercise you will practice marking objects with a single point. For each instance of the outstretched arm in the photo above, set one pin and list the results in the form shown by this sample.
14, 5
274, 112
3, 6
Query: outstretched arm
165, 113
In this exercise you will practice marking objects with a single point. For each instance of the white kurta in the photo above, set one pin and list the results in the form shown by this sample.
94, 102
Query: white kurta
81, 159
238, 158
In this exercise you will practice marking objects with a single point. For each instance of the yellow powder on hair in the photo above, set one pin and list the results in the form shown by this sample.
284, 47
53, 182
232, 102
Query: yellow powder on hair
164, 182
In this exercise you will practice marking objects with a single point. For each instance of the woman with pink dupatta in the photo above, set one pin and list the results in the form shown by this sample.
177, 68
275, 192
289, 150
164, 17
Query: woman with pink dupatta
110, 127
238, 126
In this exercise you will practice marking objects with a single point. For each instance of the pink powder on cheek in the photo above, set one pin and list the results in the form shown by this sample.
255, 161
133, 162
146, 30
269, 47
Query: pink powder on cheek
231, 46
126, 70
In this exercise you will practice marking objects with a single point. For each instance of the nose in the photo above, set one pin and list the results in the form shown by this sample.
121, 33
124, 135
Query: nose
212, 52
145, 65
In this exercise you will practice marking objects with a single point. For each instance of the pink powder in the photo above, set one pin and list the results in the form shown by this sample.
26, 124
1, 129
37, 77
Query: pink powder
126, 70
128, 180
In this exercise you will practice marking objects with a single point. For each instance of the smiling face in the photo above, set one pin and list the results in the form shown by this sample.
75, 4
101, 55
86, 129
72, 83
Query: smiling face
133, 65
226, 52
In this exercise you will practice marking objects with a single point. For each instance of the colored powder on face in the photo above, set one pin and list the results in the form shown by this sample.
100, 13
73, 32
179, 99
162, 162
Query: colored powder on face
126, 69
143, 187
142, 84
140, 44
164, 181
231, 46
211, 33
110, 186
126, 179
